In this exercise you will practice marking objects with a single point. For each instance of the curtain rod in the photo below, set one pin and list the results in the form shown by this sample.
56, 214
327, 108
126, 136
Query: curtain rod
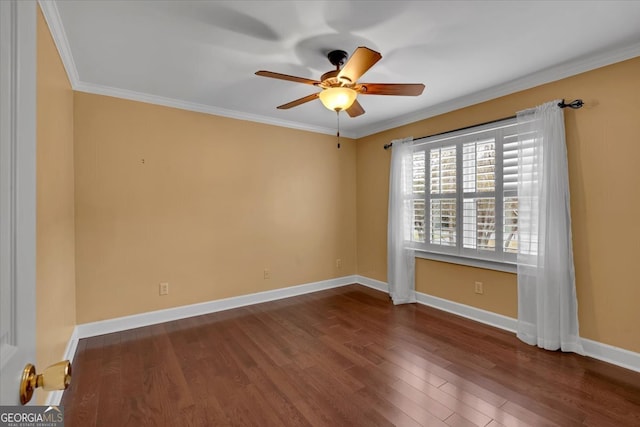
573, 104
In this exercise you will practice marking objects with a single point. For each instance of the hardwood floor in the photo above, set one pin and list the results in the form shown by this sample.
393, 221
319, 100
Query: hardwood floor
342, 357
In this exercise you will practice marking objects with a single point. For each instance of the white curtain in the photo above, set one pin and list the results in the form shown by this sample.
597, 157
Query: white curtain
547, 304
400, 259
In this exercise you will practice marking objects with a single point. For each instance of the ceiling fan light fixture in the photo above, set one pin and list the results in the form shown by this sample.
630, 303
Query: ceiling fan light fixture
338, 98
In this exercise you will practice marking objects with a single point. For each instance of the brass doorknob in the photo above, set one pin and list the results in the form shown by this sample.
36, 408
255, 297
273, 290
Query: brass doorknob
54, 377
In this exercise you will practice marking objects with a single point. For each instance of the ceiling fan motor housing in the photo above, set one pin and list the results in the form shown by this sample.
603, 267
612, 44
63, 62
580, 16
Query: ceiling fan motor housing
338, 57
330, 79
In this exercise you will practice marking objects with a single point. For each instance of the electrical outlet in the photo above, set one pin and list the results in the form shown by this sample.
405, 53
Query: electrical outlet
479, 288
267, 274
338, 263
164, 288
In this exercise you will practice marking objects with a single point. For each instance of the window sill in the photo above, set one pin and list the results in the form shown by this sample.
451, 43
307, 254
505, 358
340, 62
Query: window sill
506, 267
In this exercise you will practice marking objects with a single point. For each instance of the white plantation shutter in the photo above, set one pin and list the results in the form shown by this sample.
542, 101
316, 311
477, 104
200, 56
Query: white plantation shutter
419, 183
465, 193
479, 162
442, 186
442, 176
510, 192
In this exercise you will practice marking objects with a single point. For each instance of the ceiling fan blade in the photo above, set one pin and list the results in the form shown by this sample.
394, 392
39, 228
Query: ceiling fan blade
355, 110
287, 77
392, 89
298, 102
361, 60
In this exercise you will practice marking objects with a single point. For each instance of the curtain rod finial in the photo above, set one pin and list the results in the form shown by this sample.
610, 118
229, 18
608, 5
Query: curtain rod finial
578, 103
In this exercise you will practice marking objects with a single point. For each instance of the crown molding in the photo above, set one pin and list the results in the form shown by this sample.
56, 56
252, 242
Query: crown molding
52, 17
199, 108
547, 75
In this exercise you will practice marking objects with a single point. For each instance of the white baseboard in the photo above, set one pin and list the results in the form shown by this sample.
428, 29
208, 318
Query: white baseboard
372, 283
54, 397
483, 316
597, 350
610, 354
160, 316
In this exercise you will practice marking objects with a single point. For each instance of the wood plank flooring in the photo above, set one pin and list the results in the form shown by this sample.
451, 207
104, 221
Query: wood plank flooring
342, 357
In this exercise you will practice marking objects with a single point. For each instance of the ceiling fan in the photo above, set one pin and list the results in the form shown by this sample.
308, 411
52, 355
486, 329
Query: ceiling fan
340, 87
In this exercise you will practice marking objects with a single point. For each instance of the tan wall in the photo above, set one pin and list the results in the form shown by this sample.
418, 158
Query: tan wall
204, 203
55, 262
602, 144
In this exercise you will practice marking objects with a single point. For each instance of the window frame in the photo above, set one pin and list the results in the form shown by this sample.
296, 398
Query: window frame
499, 259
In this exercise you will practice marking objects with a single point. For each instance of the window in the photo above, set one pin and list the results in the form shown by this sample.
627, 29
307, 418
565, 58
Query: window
464, 197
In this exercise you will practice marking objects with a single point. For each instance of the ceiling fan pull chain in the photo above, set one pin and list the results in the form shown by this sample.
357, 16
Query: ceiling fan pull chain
338, 134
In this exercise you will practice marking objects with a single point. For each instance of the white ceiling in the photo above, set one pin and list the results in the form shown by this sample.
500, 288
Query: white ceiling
202, 55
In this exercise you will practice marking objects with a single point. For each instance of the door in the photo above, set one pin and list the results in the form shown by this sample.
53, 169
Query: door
17, 193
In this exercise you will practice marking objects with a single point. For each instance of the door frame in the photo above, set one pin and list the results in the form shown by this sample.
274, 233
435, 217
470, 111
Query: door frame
18, 143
